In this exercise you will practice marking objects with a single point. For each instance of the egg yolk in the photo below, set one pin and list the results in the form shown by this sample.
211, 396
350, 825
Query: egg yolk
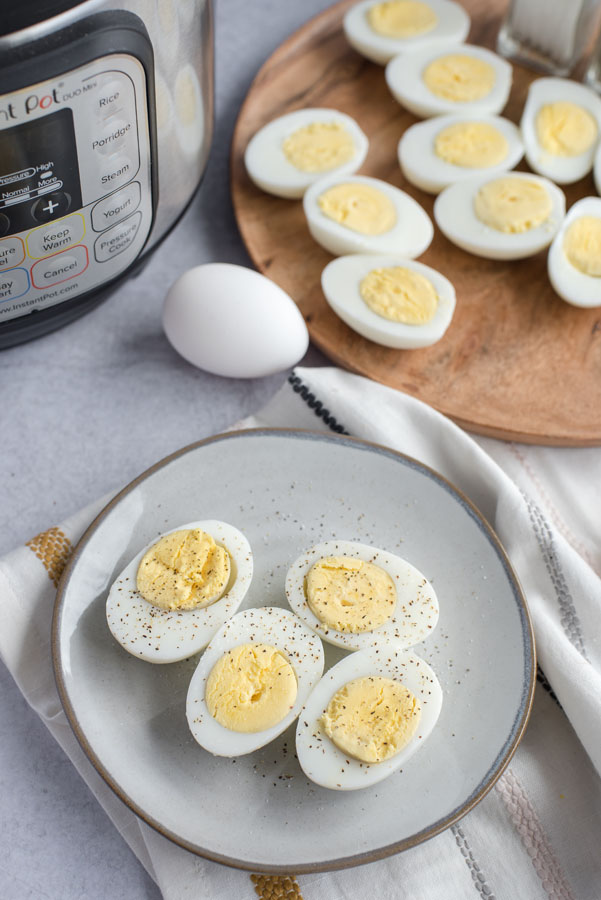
402, 18
513, 205
459, 77
359, 207
319, 147
372, 718
184, 570
582, 245
350, 594
565, 129
473, 145
251, 688
400, 295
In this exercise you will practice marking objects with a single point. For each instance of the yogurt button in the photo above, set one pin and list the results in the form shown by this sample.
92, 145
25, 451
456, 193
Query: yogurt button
117, 207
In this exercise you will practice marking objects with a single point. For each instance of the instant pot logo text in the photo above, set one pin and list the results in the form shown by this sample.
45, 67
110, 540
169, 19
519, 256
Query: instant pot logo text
22, 107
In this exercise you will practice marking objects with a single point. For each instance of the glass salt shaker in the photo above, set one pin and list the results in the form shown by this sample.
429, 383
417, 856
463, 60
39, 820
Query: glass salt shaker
548, 35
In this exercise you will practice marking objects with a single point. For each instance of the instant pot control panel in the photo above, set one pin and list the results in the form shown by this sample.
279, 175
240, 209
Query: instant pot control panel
76, 198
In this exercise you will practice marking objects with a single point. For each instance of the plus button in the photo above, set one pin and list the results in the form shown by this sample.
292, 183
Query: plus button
55, 204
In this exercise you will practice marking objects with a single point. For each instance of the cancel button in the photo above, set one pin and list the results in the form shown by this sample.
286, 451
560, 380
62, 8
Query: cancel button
117, 239
60, 267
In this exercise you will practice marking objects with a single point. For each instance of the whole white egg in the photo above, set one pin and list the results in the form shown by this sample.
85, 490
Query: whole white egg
341, 280
423, 167
456, 217
268, 625
405, 79
570, 282
233, 321
165, 636
272, 170
449, 22
409, 235
321, 760
415, 614
566, 166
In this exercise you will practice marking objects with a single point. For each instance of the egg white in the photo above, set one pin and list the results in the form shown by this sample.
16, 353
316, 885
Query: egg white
340, 281
455, 216
410, 236
453, 26
570, 283
405, 82
165, 636
561, 169
415, 614
268, 167
422, 167
320, 758
267, 625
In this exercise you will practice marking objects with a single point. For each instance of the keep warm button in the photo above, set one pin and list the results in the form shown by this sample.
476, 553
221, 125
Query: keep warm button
60, 267
117, 239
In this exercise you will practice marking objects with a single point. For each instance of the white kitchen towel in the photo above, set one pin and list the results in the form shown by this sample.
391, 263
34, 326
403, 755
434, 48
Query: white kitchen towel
537, 833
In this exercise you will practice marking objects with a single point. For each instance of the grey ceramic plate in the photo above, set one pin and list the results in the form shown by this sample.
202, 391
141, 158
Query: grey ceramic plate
287, 490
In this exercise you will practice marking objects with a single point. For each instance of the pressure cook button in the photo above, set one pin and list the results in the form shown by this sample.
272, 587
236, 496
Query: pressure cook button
51, 206
12, 252
13, 284
59, 268
117, 207
117, 239
48, 239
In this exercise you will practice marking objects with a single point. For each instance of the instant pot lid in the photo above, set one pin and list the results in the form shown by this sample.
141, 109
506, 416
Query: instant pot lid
17, 16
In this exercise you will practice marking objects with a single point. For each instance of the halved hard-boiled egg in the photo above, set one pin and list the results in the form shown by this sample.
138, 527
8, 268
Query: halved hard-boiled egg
358, 597
252, 680
508, 217
561, 126
357, 214
446, 149
380, 31
367, 716
393, 301
173, 596
454, 78
290, 153
574, 261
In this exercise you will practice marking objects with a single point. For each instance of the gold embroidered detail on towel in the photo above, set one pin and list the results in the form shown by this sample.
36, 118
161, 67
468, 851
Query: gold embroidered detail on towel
53, 548
276, 887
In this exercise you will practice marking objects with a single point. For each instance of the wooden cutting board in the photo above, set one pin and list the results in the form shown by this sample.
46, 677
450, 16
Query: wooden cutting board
517, 362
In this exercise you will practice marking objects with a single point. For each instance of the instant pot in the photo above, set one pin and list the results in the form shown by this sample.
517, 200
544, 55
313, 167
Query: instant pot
106, 111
